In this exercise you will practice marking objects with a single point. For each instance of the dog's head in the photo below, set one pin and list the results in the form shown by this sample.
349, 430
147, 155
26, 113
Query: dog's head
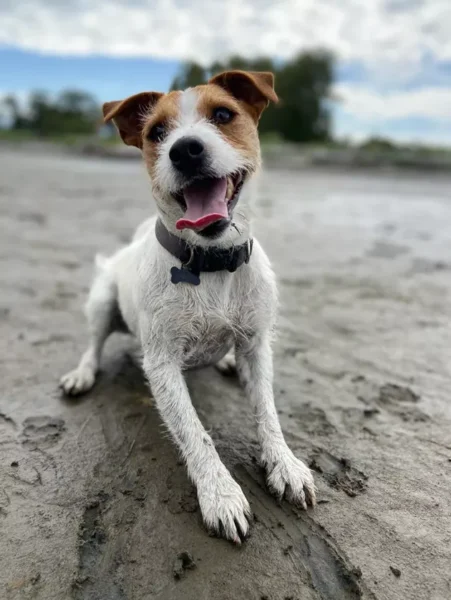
200, 145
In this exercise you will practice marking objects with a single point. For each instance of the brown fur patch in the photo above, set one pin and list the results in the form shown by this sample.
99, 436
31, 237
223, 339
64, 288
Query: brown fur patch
255, 89
241, 132
165, 112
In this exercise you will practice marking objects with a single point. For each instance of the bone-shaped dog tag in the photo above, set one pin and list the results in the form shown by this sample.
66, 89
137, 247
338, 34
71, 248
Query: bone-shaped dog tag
184, 276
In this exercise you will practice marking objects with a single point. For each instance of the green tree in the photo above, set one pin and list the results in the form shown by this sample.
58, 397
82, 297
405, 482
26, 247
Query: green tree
14, 116
77, 102
304, 88
77, 111
41, 113
73, 112
190, 75
12, 106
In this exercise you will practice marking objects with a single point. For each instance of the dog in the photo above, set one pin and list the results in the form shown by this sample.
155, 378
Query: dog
193, 286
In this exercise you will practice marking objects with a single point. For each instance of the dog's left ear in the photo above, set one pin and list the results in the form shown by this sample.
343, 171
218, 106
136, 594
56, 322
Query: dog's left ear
128, 115
255, 88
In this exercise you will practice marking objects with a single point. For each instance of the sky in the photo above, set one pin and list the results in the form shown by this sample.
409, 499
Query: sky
393, 74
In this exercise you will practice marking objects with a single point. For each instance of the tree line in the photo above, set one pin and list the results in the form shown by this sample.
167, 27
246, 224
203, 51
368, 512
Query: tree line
71, 112
304, 85
303, 115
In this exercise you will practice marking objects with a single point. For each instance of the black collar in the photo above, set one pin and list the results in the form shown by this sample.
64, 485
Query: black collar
197, 259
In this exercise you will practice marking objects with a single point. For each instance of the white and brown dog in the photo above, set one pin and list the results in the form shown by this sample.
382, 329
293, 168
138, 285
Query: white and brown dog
193, 286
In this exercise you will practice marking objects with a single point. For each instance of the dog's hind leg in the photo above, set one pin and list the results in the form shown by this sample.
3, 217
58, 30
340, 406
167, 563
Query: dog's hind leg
101, 310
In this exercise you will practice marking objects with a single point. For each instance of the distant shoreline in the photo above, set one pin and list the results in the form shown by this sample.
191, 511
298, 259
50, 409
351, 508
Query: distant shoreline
285, 156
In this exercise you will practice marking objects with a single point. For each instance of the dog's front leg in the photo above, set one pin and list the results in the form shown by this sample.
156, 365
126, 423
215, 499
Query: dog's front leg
286, 475
224, 507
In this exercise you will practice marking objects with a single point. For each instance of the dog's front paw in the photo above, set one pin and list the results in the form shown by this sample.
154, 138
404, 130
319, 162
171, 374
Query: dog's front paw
288, 477
78, 381
225, 509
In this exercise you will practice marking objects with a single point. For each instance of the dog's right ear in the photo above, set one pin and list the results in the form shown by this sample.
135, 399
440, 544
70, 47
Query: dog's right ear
128, 115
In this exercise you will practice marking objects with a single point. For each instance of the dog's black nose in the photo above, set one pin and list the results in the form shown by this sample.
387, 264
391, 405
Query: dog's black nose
187, 155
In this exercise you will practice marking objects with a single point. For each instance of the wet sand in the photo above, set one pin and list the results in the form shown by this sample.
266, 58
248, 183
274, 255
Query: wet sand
94, 503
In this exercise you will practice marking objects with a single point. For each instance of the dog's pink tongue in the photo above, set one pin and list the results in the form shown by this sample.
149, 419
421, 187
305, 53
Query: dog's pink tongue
205, 203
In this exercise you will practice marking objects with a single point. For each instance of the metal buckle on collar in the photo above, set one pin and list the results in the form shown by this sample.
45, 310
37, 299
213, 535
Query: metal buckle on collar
185, 274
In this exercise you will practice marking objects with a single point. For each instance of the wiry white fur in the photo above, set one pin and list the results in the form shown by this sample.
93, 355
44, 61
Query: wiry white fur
188, 107
182, 326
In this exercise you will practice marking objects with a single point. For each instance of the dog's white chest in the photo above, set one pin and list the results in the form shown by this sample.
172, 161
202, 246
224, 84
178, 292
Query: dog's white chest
205, 330
199, 322
205, 344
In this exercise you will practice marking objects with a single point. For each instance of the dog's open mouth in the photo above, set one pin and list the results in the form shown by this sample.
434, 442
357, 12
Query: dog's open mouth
208, 200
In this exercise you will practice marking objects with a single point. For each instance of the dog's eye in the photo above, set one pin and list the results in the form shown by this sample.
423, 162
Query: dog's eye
157, 133
222, 115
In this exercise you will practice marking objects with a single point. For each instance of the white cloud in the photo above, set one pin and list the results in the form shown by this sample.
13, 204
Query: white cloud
387, 35
420, 115
427, 102
360, 132
391, 38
